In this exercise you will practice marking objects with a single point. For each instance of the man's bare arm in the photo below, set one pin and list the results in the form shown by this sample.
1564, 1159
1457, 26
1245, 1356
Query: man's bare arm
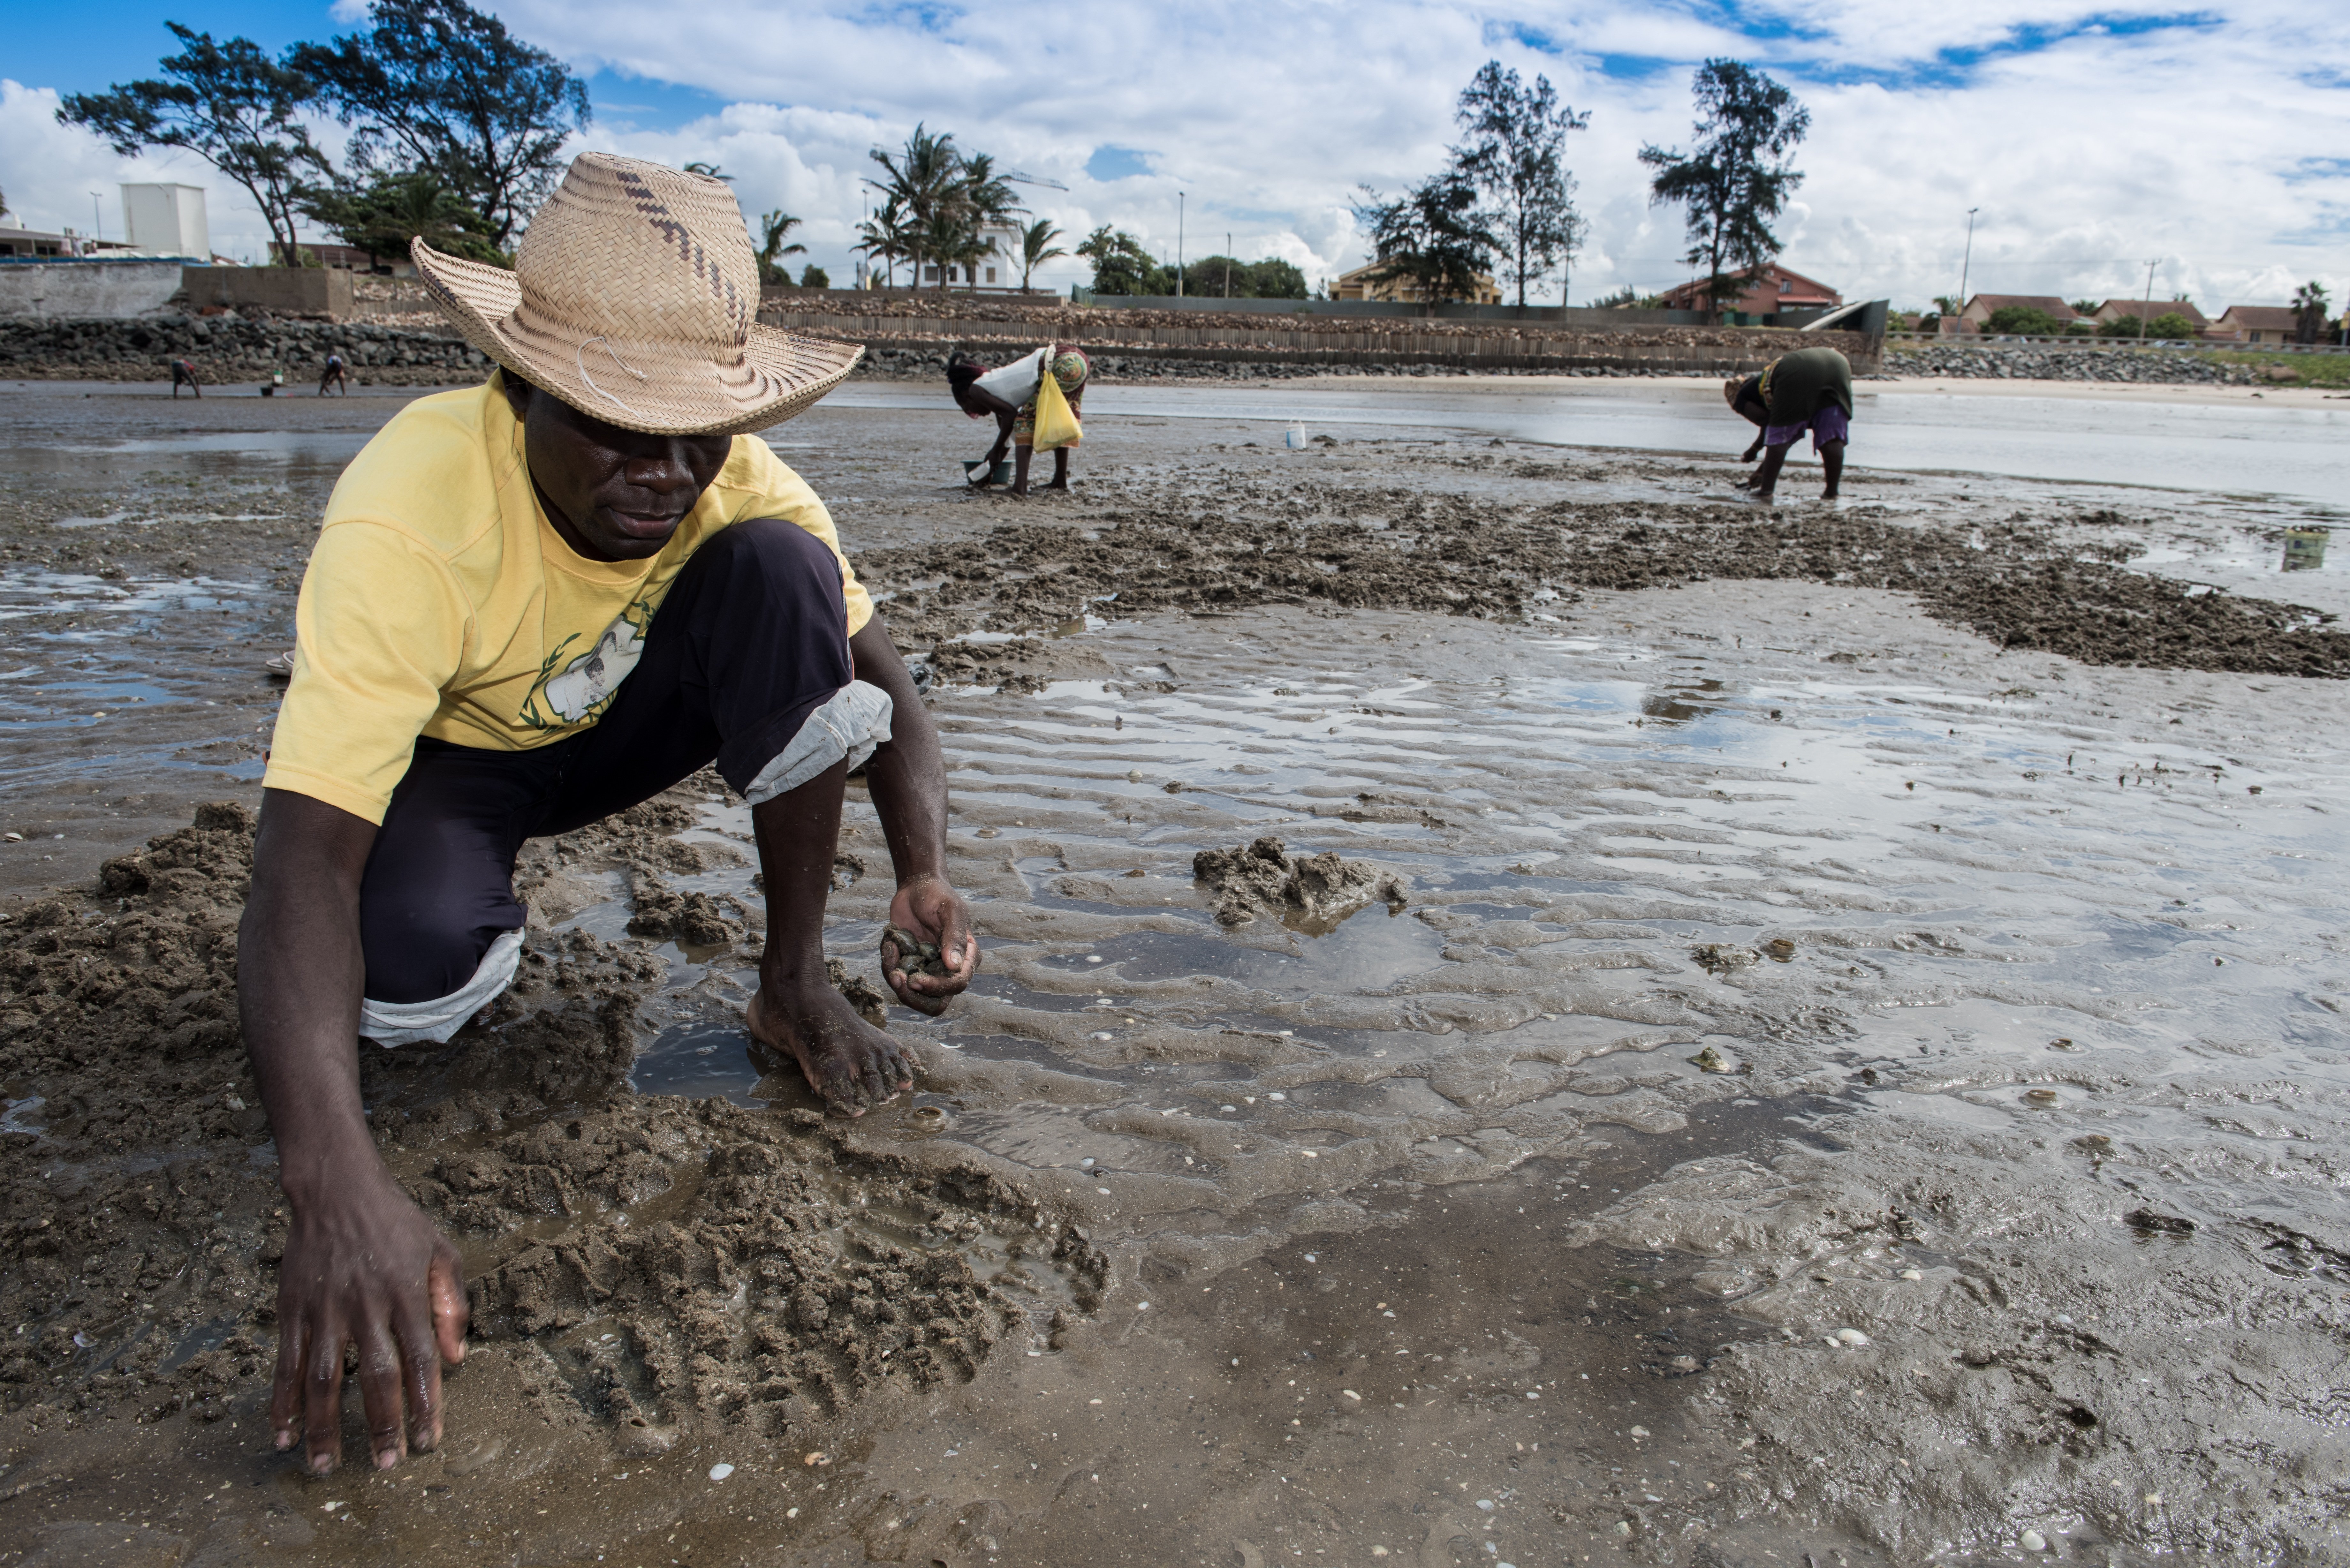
363, 1266
907, 779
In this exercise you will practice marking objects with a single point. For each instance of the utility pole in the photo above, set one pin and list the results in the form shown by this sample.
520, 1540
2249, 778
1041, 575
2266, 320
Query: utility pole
1968, 265
97, 219
1228, 264
2146, 311
1178, 245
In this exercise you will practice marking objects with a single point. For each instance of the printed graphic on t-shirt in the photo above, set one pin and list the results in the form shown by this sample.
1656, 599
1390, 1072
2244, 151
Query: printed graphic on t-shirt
587, 683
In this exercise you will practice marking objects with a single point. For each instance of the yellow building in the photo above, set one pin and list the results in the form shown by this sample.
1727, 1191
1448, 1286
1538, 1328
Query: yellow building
1360, 283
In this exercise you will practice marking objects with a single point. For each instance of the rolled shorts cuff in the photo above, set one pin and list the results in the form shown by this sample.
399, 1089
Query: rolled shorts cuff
390, 1024
850, 725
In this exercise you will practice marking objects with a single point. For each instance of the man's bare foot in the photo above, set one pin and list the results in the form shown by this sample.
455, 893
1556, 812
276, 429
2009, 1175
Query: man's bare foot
851, 1064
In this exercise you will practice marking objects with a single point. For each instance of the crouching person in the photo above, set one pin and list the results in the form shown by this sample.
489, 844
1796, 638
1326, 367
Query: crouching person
534, 603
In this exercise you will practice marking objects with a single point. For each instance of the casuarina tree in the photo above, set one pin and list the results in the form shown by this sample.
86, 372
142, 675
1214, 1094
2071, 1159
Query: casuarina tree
1434, 236
2309, 313
1516, 155
437, 85
1738, 177
230, 105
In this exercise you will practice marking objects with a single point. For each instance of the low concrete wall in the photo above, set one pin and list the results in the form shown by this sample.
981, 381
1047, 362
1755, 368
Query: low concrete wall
283, 290
111, 289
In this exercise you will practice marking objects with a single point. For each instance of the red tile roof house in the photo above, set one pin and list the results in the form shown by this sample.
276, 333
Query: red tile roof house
2257, 324
1977, 315
1770, 288
2122, 309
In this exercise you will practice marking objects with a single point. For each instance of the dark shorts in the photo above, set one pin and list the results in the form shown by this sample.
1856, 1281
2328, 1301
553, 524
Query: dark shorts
750, 640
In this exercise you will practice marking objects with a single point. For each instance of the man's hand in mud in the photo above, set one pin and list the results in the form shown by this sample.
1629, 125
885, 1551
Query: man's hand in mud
934, 915
1752, 453
364, 1268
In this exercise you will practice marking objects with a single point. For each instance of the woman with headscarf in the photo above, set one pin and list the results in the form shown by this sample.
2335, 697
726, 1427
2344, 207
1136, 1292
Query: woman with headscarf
1809, 390
979, 392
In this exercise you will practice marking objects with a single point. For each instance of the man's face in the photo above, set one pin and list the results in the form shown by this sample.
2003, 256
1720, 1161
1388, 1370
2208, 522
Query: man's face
612, 493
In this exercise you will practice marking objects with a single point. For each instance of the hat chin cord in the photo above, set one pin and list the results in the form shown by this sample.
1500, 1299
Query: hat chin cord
579, 357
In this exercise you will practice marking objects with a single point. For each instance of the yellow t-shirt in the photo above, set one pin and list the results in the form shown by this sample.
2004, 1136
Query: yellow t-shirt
440, 601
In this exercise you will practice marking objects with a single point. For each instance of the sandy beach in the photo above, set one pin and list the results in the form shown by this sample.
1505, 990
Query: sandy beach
1534, 1010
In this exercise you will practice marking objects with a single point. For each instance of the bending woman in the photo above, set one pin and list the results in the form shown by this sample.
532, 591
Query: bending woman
1809, 390
1016, 426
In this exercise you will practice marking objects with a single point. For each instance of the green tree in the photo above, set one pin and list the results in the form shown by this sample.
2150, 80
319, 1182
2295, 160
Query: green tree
1516, 155
1434, 236
2123, 327
709, 170
2016, 320
1738, 178
1273, 278
2309, 308
773, 229
230, 105
2084, 308
1037, 248
815, 276
1121, 265
383, 215
2173, 324
435, 84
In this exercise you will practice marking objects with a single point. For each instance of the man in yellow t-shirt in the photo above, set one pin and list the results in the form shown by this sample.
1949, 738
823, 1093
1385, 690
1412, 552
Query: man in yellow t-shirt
532, 603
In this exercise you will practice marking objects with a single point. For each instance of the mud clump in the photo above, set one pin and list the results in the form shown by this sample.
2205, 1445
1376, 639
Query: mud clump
690, 920
759, 1300
863, 994
1263, 879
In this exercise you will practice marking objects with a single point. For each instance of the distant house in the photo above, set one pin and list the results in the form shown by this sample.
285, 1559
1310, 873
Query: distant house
1360, 283
2148, 310
997, 272
1766, 291
1976, 316
2255, 323
15, 240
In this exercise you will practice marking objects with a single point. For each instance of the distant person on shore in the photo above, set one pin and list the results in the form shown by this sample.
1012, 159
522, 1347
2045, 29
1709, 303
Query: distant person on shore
1809, 390
1016, 425
333, 375
184, 374
532, 604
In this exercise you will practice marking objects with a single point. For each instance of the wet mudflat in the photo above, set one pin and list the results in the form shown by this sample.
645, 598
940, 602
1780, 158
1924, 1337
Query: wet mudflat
1768, 1070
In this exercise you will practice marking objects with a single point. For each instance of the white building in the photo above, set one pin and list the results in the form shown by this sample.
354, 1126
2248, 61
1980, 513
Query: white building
997, 273
167, 221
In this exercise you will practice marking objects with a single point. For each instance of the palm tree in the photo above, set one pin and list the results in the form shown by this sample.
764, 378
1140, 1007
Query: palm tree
772, 227
711, 170
885, 236
922, 181
1034, 239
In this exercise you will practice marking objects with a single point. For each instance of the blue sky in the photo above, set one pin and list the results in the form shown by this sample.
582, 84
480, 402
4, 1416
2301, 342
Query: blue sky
2092, 138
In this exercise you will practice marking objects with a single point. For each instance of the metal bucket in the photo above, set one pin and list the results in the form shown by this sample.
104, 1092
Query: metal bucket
2304, 549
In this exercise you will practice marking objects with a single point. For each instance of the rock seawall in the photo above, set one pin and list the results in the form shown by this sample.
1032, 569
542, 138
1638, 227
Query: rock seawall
228, 348
2024, 361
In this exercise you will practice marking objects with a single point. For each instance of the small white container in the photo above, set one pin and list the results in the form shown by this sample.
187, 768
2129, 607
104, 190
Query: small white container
1296, 438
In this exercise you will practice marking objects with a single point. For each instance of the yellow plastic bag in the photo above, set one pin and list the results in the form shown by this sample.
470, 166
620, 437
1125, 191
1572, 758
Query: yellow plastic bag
1056, 422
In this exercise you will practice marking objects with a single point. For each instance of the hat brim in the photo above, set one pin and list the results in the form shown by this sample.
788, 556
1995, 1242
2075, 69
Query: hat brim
655, 387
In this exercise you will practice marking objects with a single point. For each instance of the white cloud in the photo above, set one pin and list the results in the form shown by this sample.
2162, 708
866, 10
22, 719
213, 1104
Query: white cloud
2090, 142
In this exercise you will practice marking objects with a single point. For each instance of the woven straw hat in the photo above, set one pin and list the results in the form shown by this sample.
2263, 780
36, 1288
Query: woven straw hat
632, 298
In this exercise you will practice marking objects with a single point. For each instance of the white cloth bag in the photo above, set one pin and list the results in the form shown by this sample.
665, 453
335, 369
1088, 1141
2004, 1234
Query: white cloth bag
1016, 383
